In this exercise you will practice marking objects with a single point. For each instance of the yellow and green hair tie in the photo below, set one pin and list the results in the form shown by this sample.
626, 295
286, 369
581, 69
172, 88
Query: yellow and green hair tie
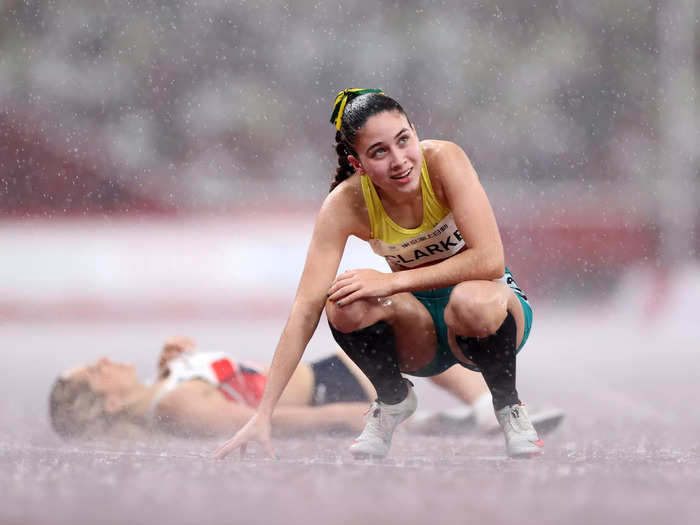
342, 100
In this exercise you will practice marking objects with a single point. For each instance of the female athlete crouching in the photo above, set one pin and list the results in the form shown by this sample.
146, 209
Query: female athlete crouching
448, 299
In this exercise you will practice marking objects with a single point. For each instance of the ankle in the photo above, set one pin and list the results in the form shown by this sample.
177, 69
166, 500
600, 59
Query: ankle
394, 396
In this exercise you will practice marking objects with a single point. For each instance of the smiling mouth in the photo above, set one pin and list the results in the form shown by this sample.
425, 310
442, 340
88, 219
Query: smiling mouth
402, 175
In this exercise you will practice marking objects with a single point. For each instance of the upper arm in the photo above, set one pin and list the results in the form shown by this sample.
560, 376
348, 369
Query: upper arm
465, 196
196, 407
335, 222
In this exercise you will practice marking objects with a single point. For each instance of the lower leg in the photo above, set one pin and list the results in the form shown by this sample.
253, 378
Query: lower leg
495, 356
373, 350
464, 384
383, 338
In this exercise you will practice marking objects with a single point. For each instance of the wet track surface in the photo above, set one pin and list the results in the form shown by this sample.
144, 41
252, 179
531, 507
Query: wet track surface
628, 451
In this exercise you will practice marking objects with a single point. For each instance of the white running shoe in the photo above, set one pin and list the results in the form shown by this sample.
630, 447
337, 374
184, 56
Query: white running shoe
380, 422
521, 436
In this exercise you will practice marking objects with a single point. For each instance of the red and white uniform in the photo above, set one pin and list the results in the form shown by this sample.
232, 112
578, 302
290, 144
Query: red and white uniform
238, 382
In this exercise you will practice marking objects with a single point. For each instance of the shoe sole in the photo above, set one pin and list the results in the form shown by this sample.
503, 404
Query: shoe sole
529, 451
526, 455
360, 454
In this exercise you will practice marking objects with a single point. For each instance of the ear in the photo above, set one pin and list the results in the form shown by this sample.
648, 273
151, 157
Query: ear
355, 164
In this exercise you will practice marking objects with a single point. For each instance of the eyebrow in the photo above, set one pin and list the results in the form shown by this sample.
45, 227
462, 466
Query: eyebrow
404, 130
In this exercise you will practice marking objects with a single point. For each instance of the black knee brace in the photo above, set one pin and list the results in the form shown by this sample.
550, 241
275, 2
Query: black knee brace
495, 356
373, 350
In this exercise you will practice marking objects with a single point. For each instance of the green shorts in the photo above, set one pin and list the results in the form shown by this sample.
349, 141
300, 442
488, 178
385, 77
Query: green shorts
435, 302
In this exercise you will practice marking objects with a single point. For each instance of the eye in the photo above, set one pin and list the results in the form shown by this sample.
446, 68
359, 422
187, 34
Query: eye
377, 152
403, 139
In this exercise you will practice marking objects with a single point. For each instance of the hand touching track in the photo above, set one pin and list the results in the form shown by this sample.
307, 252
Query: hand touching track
257, 429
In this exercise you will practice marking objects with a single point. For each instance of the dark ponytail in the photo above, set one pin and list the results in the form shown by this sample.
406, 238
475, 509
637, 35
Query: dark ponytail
351, 110
345, 169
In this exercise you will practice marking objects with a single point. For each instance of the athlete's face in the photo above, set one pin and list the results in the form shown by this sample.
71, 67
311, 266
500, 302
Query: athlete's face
389, 152
111, 379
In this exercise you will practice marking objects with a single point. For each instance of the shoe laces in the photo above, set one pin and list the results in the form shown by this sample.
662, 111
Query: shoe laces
517, 419
375, 423
381, 419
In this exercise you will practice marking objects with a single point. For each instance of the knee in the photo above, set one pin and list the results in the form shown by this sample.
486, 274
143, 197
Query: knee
348, 318
471, 316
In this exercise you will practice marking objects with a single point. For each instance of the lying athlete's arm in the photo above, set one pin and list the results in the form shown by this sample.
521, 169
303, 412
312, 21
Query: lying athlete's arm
464, 195
197, 408
173, 347
295, 419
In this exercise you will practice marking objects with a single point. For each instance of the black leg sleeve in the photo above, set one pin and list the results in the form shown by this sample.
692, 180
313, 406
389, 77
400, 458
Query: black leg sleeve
495, 356
373, 350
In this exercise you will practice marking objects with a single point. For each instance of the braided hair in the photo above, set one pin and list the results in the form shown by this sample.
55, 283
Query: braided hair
351, 110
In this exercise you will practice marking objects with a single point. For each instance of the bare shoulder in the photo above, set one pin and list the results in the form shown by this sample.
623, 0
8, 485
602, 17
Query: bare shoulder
447, 163
345, 208
441, 153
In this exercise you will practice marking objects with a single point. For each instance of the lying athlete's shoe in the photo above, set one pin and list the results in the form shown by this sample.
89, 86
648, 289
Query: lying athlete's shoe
380, 422
461, 420
545, 420
452, 421
521, 436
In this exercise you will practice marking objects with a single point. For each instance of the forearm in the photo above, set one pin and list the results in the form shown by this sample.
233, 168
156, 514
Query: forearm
471, 264
285, 419
291, 419
300, 326
200, 410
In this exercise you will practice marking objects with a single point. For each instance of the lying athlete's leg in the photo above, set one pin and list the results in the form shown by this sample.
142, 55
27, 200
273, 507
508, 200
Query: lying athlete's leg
469, 387
464, 384
384, 337
335, 382
488, 322
360, 377
300, 388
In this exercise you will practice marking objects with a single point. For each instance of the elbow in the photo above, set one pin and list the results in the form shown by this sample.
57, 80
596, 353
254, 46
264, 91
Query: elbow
308, 311
495, 265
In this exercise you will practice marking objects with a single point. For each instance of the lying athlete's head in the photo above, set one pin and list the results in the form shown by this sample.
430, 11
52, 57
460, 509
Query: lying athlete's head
88, 401
359, 112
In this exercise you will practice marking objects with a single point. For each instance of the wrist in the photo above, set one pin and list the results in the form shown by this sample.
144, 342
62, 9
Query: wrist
400, 282
263, 413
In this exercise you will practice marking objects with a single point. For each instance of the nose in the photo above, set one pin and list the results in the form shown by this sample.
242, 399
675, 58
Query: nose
395, 160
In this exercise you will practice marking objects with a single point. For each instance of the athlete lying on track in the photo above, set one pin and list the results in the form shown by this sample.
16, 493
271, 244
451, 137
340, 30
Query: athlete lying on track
210, 394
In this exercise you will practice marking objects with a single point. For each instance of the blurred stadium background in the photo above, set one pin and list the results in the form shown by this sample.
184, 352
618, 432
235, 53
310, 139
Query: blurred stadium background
161, 164
151, 146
